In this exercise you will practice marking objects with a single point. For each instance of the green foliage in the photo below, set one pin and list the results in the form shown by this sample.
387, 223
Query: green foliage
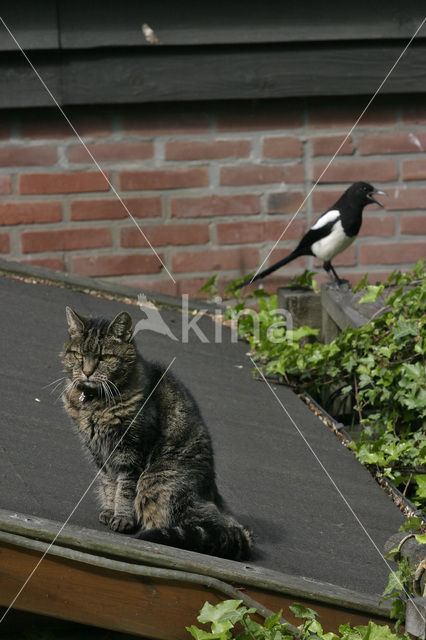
230, 620
379, 369
306, 280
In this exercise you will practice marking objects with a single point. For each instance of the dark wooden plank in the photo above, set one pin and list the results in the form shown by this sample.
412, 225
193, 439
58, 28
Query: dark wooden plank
148, 75
222, 22
34, 25
20, 85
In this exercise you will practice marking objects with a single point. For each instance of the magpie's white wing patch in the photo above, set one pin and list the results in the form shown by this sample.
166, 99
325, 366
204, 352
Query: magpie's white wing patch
326, 218
333, 243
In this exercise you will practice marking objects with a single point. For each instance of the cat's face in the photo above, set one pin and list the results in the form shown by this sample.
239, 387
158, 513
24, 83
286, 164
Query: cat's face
99, 354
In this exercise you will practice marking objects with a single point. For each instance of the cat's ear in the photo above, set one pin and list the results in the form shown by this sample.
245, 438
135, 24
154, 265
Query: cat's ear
121, 326
75, 323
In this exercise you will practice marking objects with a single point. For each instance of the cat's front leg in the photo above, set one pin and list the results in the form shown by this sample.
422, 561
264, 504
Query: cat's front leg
124, 519
106, 492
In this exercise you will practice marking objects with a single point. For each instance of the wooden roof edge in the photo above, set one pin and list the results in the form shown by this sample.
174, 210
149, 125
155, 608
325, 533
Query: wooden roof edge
136, 556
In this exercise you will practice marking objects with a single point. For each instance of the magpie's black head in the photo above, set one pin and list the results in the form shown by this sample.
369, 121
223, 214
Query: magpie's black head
362, 194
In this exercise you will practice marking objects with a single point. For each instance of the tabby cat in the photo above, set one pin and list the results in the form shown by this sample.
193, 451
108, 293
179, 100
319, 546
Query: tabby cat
148, 439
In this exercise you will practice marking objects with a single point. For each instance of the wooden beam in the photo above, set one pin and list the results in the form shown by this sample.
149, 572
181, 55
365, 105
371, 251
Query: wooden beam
137, 75
174, 74
34, 25
99, 24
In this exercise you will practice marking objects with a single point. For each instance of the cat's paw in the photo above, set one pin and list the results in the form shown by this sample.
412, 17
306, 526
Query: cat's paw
106, 515
123, 524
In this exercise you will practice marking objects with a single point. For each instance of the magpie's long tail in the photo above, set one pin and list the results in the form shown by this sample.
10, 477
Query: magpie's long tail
271, 269
226, 540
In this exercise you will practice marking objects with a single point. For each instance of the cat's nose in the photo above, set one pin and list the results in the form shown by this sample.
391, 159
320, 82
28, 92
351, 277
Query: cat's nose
89, 365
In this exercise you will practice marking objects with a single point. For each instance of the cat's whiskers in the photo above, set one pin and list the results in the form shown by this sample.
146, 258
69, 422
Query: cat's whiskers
70, 385
106, 393
56, 383
115, 388
110, 393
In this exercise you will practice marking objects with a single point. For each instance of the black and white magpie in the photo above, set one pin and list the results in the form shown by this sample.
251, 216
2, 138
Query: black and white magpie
333, 232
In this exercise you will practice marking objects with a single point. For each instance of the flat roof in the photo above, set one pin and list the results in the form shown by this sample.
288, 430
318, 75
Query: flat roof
305, 524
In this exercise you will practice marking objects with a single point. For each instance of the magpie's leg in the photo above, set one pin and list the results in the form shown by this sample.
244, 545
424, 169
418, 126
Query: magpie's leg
329, 268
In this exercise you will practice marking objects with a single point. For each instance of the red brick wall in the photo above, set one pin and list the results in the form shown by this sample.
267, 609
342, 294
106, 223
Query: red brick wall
212, 186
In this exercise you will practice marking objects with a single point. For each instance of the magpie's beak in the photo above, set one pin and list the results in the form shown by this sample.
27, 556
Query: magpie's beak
377, 192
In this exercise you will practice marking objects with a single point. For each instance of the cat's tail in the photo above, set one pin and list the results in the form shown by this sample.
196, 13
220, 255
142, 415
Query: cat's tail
225, 538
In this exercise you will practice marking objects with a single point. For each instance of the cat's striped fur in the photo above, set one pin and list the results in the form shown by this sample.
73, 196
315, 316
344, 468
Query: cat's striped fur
157, 471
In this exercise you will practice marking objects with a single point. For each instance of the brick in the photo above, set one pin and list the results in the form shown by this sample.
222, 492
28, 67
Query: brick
65, 239
370, 171
5, 184
282, 147
377, 225
4, 131
48, 263
178, 234
82, 181
415, 114
111, 152
323, 200
413, 225
111, 209
261, 174
391, 253
393, 143
414, 169
258, 117
207, 149
403, 198
285, 202
16, 156
252, 232
163, 122
345, 115
213, 260
328, 145
4, 243
30, 212
48, 126
164, 179
209, 206
116, 265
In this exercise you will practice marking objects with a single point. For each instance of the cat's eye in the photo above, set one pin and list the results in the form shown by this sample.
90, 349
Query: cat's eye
77, 355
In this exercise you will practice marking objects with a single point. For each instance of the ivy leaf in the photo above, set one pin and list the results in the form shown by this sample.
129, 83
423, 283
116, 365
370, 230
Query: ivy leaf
421, 488
421, 538
300, 611
413, 523
394, 583
224, 615
374, 291
200, 634
362, 283
273, 620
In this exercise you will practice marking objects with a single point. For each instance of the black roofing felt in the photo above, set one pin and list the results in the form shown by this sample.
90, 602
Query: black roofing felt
266, 471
